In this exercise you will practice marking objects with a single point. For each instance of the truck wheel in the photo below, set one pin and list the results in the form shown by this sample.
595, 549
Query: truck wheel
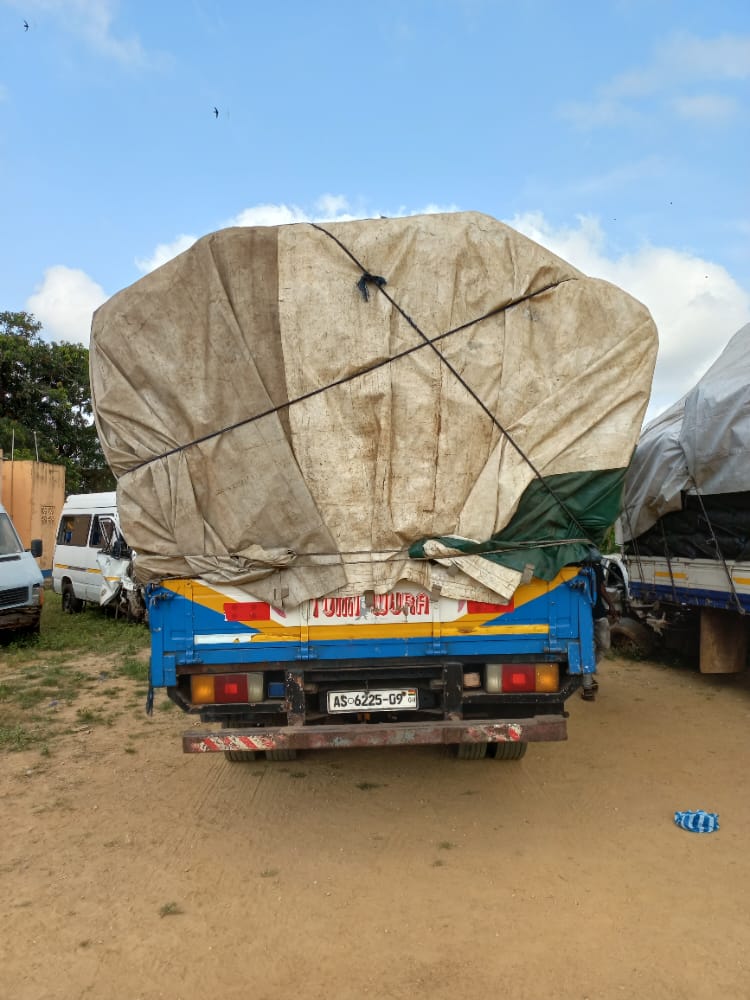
508, 750
471, 751
281, 754
70, 603
239, 755
236, 755
631, 637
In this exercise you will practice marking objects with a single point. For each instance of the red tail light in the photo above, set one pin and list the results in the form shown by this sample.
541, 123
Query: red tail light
519, 677
230, 688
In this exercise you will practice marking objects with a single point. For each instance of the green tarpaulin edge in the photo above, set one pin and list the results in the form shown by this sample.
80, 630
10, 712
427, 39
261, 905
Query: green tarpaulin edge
541, 533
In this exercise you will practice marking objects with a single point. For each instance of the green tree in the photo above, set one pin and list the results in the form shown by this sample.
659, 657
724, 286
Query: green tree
45, 404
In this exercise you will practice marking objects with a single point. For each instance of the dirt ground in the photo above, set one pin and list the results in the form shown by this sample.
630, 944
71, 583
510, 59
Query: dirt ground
130, 870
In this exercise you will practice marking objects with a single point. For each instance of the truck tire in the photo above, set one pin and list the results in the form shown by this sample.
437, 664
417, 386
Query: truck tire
631, 637
70, 603
281, 754
471, 751
508, 750
237, 756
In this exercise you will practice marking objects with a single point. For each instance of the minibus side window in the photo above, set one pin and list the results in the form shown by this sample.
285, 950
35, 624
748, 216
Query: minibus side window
74, 529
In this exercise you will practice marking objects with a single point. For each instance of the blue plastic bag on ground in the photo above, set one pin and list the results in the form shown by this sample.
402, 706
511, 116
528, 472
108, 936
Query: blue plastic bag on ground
697, 821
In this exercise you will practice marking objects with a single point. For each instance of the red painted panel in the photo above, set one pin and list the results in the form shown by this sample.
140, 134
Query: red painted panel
247, 611
479, 608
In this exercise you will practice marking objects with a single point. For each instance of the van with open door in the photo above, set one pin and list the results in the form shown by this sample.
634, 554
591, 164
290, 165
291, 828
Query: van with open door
93, 563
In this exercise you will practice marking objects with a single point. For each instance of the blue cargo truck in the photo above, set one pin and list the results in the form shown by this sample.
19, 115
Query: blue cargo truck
373, 670
363, 465
685, 525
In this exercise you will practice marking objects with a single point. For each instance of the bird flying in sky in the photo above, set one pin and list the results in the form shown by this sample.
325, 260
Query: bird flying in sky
25, 25
216, 112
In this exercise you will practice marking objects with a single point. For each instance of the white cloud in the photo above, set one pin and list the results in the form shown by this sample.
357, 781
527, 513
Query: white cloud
332, 205
726, 57
269, 215
327, 208
594, 114
706, 107
696, 304
625, 174
93, 22
65, 302
681, 61
164, 252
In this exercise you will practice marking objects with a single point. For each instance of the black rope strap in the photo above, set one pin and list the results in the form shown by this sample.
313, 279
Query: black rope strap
668, 558
379, 282
719, 553
427, 342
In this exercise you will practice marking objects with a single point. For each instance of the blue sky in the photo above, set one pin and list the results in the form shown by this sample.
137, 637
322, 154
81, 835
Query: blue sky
616, 134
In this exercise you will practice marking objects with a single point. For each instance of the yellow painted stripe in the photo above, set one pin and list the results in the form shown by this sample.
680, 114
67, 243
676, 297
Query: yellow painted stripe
321, 633
416, 630
541, 629
743, 580
467, 624
455, 628
671, 576
208, 597
75, 569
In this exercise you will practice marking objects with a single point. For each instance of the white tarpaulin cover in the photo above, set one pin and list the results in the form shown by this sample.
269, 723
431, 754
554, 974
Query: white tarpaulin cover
233, 465
700, 443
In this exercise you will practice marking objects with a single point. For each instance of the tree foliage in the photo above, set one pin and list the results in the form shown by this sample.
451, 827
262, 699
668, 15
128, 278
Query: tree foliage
45, 404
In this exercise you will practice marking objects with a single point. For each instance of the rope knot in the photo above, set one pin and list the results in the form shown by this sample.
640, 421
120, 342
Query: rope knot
376, 279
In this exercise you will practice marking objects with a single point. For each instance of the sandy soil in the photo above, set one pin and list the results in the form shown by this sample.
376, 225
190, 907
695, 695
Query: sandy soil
130, 870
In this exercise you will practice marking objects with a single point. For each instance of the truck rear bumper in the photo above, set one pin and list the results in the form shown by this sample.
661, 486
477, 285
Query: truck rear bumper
542, 729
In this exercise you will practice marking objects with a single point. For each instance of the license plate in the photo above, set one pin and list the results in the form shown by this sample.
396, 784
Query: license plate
387, 700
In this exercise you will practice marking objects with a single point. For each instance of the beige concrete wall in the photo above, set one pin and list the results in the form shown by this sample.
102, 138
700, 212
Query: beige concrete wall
33, 493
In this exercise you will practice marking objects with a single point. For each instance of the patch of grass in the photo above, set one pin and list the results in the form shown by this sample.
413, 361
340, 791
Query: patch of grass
367, 786
166, 706
130, 750
41, 682
438, 863
90, 717
110, 692
15, 737
446, 845
133, 668
298, 774
169, 909
28, 697
269, 872
91, 631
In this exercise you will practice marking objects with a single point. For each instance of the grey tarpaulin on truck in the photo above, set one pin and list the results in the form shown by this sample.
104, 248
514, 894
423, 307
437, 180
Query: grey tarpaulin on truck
232, 465
696, 456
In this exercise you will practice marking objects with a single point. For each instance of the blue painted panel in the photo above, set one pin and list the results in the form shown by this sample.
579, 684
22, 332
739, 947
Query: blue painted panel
697, 598
174, 621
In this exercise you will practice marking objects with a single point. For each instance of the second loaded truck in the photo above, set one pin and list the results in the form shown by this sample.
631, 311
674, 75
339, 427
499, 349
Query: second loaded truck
365, 466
